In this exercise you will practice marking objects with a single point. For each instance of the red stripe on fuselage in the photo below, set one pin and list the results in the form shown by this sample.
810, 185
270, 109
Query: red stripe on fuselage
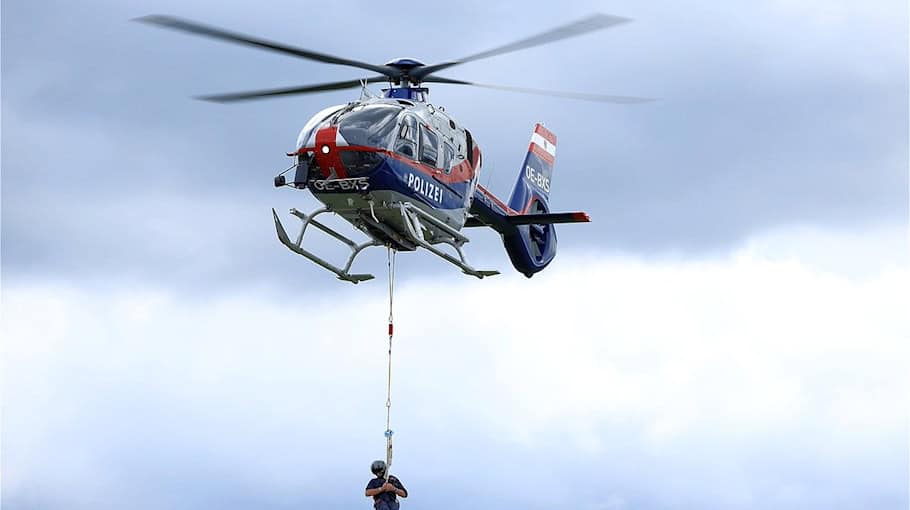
361, 148
463, 172
507, 209
463, 175
500, 203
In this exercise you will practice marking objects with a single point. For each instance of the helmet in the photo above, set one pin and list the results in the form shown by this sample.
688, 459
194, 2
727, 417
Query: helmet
378, 467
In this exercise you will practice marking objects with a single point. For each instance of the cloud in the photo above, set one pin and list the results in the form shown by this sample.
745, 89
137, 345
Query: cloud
769, 115
729, 333
756, 379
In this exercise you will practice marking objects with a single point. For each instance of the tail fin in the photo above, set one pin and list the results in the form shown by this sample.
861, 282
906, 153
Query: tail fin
526, 224
534, 180
531, 246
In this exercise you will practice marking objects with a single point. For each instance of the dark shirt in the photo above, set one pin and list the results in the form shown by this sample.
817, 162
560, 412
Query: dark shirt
388, 497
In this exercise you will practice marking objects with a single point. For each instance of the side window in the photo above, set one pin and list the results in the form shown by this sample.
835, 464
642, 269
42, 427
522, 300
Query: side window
429, 144
406, 143
448, 157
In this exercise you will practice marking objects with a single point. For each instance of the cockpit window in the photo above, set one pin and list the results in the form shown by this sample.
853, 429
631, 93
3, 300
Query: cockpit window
429, 144
371, 126
306, 138
448, 158
406, 144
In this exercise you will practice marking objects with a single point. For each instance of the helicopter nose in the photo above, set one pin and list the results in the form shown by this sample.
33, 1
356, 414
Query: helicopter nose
337, 159
328, 157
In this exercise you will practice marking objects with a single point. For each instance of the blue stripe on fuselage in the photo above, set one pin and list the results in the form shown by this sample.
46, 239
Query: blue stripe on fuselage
411, 180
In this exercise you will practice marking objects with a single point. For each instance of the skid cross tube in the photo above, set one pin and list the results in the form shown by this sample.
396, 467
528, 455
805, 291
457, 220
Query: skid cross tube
297, 245
412, 215
408, 237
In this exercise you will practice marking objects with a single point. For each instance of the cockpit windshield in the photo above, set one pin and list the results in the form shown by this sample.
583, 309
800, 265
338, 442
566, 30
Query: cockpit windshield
371, 126
306, 136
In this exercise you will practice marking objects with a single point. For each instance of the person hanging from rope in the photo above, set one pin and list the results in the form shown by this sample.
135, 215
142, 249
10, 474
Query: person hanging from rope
385, 490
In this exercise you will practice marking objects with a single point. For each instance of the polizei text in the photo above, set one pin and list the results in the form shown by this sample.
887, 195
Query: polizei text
425, 188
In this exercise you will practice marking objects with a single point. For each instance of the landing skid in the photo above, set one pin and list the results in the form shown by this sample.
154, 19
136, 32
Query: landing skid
296, 247
416, 222
412, 217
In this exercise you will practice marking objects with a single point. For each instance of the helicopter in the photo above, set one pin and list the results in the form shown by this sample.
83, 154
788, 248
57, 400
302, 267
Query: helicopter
404, 171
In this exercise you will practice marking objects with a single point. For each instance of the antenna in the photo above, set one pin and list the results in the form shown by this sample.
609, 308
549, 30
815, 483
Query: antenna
364, 91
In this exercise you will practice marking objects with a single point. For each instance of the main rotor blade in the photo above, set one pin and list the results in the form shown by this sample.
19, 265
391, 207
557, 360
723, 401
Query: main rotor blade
602, 98
582, 26
306, 89
224, 35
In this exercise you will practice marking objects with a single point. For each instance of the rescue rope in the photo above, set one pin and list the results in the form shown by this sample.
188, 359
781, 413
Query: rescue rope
388, 401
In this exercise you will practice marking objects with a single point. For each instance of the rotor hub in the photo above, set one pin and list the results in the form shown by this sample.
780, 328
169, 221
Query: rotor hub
405, 65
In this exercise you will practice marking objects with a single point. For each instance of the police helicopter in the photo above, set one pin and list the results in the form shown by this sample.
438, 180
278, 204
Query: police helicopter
405, 172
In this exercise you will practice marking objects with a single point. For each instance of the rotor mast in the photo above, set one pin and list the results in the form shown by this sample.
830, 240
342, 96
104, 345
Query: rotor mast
406, 85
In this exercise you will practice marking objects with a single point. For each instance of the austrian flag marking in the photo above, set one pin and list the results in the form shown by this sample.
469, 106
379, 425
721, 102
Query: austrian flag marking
543, 144
549, 148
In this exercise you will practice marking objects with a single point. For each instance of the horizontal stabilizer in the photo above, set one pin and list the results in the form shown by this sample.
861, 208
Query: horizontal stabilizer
535, 219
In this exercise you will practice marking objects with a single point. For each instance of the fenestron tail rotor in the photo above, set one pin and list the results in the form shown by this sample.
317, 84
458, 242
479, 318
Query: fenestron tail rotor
401, 72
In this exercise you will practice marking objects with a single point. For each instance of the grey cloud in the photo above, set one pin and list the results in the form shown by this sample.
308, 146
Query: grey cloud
767, 117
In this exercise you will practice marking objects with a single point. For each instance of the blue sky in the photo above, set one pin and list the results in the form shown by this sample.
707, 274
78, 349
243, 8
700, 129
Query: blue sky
728, 332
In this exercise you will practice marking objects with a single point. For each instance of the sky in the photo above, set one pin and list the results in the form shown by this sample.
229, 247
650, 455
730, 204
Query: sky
728, 332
